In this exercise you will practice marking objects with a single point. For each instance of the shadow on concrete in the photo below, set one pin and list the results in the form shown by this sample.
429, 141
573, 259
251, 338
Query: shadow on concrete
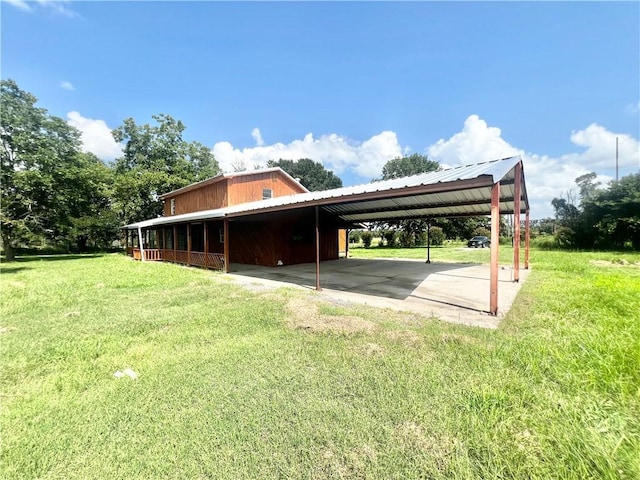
396, 279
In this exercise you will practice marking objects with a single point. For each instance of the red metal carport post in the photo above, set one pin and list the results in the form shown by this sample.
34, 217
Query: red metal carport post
495, 242
317, 250
516, 216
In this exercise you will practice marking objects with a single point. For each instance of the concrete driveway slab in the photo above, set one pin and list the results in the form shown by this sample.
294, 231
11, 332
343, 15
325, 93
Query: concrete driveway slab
452, 292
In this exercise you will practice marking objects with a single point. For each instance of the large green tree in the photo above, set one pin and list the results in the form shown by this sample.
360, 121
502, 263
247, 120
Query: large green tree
91, 220
603, 217
156, 160
411, 231
408, 165
40, 162
311, 174
614, 213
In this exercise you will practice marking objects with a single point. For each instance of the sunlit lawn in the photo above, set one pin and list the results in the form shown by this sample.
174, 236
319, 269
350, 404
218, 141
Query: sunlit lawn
227, 387
453, 253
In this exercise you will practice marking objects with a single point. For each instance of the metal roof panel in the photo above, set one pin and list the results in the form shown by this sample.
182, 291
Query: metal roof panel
347, 198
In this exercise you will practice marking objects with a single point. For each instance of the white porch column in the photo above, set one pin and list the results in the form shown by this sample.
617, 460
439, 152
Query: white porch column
141, 244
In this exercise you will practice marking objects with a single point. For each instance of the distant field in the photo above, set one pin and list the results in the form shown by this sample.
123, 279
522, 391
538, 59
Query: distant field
456, 253
246, 384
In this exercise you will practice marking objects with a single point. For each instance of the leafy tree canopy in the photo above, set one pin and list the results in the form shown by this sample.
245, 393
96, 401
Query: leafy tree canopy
311, 174
41, 166
605, 217
406, 166
411, 231
156, 160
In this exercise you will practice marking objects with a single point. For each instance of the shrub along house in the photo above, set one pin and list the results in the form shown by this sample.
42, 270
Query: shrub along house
266, 217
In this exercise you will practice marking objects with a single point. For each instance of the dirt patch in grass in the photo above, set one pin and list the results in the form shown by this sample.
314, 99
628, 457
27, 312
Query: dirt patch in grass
372, 350
272, 296
4, 330
304, 314
406, 337
17, 284
440, 449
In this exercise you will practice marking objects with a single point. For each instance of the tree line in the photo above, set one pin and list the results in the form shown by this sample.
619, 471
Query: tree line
56, 195
599, 218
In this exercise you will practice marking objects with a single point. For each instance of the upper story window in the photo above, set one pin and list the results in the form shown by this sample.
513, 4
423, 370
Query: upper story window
267, 193
173, 206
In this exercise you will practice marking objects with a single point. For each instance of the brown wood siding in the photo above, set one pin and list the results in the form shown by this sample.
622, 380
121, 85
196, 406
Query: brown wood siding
251, 243
248, 188
207, 197
232, 191
289, 238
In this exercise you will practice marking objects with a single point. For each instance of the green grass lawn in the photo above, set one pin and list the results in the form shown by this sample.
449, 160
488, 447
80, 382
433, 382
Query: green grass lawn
229, 388
456, 253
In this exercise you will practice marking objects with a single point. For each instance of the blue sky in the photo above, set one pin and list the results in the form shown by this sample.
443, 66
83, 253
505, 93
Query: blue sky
349, 84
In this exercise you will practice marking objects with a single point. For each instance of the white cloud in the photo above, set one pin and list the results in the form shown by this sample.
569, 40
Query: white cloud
633, 108
67, 85
477, 142
547, 177
21, 4
59, 7
257, 136
96, 136
335, 152
600, 147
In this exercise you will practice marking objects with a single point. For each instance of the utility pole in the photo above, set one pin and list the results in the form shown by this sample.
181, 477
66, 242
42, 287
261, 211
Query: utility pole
616, 159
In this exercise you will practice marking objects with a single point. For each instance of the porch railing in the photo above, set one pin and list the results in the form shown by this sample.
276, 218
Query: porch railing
214, 261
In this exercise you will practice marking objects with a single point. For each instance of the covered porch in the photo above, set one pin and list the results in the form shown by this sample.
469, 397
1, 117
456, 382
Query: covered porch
199, 244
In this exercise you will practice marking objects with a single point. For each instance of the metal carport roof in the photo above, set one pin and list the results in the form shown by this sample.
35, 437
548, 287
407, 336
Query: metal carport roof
459, 191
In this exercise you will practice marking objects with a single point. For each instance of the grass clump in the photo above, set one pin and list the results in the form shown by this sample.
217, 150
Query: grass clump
277, 384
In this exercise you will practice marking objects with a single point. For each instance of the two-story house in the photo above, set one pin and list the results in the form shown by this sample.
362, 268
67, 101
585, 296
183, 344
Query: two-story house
271, 240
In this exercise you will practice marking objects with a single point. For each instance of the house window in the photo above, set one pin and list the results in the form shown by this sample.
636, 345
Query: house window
267, 193
221, 233
173, 206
